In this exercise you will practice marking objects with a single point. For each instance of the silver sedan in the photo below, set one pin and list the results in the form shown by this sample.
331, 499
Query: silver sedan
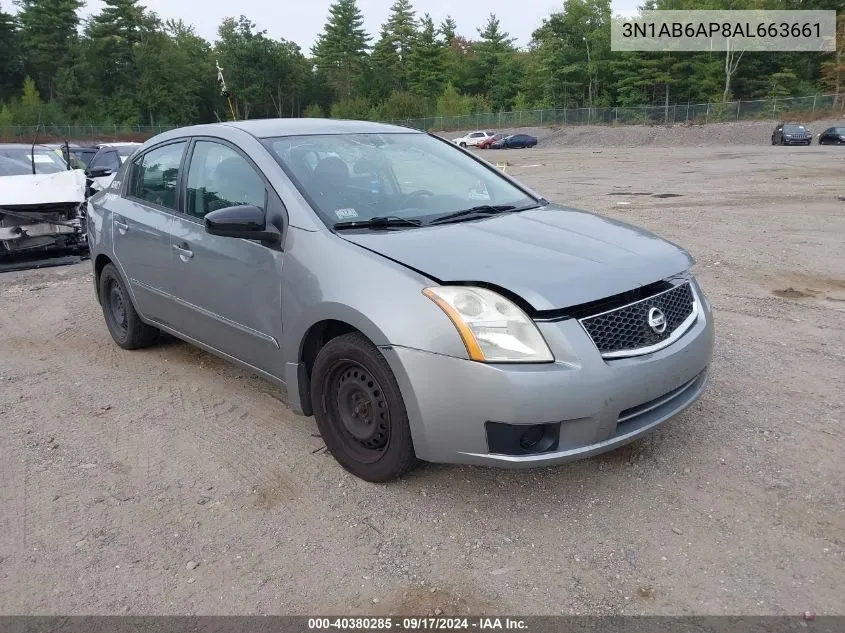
421, 304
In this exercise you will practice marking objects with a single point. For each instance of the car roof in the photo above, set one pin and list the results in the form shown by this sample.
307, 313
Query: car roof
264, 128
24, 146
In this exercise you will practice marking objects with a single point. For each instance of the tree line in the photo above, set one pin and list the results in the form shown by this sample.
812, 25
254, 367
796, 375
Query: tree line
127, 66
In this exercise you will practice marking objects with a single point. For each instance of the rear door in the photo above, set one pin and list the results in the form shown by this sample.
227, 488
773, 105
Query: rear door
141, 224
228, 290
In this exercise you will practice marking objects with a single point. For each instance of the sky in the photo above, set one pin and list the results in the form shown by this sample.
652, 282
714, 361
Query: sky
302, 21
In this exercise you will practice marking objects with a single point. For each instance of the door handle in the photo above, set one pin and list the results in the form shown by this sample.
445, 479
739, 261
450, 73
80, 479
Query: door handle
184, 252
121, 225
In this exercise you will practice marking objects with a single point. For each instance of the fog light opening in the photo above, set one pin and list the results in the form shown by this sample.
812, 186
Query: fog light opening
536, 439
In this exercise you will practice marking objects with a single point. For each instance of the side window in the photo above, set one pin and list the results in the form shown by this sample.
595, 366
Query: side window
219, 177
107, 159
155, 174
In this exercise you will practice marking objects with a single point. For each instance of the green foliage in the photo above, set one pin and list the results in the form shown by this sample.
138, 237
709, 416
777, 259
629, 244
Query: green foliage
313, 111
129, 68
354, 108
341, 50
48, 30
426, 65
402, 105
453, 103
11, 62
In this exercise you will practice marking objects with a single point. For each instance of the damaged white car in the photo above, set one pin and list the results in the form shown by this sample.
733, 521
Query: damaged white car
41, 212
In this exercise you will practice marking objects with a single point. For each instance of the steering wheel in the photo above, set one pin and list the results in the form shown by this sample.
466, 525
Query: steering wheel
419, 193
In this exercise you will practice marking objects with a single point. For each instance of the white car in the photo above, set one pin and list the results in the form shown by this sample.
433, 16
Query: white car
472, 139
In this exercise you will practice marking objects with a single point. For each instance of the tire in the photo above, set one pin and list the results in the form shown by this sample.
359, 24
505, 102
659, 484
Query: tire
462, 144
359, 410
122, 320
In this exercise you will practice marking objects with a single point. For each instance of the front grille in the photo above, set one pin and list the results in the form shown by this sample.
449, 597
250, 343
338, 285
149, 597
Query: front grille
627, 329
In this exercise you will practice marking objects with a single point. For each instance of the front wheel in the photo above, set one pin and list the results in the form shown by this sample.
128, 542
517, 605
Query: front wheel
360, 411
463, 144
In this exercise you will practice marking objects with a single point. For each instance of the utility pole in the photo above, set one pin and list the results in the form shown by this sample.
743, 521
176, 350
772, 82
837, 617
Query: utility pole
223, 90
589, 79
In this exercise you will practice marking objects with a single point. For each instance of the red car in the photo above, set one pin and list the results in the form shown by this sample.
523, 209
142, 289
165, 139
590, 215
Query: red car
487, 142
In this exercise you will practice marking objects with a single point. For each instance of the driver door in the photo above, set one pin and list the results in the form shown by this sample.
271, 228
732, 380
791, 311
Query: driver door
228, 291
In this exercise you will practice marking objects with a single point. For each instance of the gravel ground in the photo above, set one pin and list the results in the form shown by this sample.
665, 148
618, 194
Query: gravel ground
167, 481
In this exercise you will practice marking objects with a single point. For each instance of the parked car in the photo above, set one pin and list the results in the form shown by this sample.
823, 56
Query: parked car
514, 141
45, 160
832, 136
791, 134
41, 212
420, 303
472, 139
106, 163
485, 143
79, 156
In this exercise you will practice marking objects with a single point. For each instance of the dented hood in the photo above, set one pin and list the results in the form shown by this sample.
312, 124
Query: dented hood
554, 257
40, 189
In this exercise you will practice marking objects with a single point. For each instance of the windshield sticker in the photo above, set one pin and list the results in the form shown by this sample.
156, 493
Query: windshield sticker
345, 214
42, 158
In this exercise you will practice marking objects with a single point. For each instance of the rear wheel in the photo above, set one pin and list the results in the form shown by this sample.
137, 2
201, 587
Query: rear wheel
122, 320
360, 411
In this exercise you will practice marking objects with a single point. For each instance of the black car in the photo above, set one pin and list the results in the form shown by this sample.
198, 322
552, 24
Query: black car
81, 156
110, 156
515, 141
791, 134
832, 136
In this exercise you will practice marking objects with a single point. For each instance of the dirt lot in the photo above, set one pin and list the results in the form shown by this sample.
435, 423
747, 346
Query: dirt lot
167, 481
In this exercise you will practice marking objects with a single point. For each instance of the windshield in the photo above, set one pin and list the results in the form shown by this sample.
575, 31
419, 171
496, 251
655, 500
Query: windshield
356, 177
125, 151
794, 128
46, 160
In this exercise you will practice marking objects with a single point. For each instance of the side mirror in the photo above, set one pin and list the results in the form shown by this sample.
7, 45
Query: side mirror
99, 172
244, 221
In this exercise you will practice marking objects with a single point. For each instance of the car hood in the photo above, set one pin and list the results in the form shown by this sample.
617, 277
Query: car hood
553, 257
40, 189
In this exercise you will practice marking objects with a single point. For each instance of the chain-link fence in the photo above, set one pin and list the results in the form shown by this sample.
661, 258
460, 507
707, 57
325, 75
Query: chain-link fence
56, 132
678, 113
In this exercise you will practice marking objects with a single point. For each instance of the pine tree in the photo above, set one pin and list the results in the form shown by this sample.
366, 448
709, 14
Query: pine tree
11, 66
426, 61
48, 29
384, 64
115, 34
490, 51
401, 26
448, 29
341, 50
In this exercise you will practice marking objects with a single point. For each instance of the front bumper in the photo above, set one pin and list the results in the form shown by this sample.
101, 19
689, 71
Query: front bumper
600, 404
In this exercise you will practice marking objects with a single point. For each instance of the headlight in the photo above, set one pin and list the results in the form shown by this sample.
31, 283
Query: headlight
494, 329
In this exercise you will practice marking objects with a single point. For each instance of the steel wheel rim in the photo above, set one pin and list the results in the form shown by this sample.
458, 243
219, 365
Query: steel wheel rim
117, 307
357, 407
